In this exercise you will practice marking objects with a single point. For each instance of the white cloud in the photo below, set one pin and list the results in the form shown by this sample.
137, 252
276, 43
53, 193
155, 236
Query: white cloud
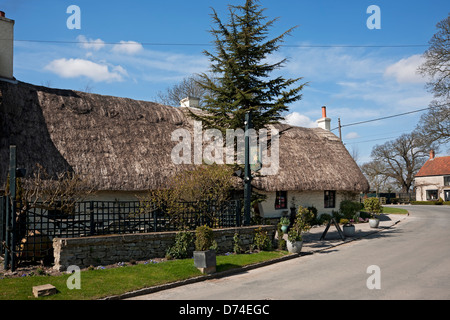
405, 70
352, 135
73, 68
300, 120
128, 47
90, 44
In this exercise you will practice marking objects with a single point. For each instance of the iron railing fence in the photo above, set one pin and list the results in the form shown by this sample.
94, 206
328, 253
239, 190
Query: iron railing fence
38, 225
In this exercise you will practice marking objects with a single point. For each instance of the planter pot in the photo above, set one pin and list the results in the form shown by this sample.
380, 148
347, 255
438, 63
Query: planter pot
205, 261
349, 230
284, 228
374, 223
294, 247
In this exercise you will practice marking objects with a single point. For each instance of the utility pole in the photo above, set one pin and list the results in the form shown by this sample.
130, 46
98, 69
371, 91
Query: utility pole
247, 171
339, 125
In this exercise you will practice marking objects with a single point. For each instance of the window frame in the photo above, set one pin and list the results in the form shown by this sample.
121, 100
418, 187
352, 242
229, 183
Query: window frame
446, 180
429, 195
329, 199
280, 200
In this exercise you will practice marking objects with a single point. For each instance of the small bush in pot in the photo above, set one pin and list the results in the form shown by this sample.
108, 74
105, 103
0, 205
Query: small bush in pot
285, 222
301, 224
373, 206
204, 255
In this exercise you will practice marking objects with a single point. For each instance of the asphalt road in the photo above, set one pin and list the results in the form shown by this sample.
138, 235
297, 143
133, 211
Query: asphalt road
409, 261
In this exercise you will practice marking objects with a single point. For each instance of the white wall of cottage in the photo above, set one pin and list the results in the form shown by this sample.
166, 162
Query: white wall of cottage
304, 199
422, 184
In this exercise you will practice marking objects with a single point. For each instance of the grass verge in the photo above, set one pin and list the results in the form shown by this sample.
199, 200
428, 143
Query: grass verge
96, 284
393, 210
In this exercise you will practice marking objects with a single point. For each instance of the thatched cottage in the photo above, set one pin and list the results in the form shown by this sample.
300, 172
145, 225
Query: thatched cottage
432, 182
125, 145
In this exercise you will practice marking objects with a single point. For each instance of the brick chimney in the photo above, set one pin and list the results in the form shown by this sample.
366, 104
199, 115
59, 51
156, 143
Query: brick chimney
324, 122
190, 102
6, 47
432, 154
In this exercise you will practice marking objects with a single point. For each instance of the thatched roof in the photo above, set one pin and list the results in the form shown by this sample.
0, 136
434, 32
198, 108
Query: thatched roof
313, 159
125, 144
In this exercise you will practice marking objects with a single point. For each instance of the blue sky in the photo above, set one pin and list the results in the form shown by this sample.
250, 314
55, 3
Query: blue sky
357, 72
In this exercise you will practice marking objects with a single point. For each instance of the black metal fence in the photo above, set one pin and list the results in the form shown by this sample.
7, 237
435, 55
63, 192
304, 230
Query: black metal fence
36, 227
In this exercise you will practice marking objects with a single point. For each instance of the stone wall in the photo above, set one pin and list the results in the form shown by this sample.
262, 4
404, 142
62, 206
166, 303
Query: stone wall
103, 250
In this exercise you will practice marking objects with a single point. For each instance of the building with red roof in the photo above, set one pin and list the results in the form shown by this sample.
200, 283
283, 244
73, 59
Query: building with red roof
433, 179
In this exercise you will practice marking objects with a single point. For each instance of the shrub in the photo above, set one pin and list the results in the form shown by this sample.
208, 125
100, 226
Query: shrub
285, 221
364, 215
204, 238
431, 202
180, 249
336, 215
394, 200
323, 218
261, 240
373, 205
313, 210
282, 244
301, 224
237, 247
349, 208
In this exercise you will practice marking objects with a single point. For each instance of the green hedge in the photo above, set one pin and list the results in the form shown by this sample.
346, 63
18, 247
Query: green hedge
431, 202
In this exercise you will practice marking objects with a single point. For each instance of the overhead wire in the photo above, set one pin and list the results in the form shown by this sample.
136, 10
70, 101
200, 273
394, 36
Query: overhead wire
382, 118
210, 44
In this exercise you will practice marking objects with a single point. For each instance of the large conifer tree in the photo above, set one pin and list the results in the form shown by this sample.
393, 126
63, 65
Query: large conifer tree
240, 72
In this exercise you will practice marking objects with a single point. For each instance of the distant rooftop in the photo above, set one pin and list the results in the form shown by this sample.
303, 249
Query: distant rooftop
435, 167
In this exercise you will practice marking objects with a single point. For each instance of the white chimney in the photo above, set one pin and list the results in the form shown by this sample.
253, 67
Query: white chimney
324, 122
190, 102
6, 47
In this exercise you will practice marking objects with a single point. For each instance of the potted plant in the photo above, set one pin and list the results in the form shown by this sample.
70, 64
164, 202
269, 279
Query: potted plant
300, 225
349, 210
347, 227
204, 255
373, 206
285, 222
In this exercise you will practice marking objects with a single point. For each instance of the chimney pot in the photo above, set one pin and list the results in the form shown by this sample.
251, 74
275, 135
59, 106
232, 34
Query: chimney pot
324, 122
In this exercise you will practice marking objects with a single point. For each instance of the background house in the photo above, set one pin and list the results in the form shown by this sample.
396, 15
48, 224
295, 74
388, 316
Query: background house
432, 182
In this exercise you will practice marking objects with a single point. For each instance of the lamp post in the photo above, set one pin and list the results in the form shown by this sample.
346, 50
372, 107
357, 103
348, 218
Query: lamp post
11, 207
247, 171
11, 211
